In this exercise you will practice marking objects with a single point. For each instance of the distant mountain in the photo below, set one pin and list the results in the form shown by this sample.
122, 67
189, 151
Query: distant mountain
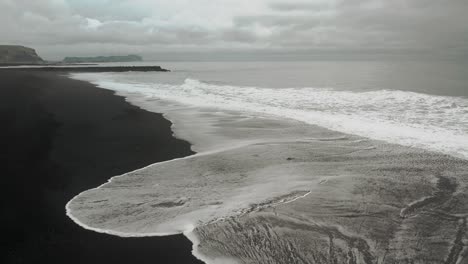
10, 54
128, 58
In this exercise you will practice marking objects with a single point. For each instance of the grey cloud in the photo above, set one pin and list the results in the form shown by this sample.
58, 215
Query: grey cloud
277, 20
427, 23
298, 6
239, 35
108, 10
368, 24
284, 25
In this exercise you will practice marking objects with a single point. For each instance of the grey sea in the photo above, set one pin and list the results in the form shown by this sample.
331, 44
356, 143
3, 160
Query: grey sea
299, 162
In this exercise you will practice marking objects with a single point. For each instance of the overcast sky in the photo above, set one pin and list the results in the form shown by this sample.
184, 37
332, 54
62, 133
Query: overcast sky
57, 28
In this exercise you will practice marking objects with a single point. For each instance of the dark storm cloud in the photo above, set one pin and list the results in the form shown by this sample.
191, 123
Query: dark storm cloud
58, 27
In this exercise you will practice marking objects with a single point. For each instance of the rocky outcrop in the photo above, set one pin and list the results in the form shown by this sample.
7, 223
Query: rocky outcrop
10, 54
128, 58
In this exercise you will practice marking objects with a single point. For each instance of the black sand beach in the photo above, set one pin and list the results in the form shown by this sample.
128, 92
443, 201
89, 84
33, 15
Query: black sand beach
60, 137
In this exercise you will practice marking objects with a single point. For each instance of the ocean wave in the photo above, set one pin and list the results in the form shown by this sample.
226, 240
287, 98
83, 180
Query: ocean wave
436, 123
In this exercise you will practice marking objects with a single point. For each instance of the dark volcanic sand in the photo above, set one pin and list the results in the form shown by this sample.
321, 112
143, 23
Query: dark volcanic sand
60, 137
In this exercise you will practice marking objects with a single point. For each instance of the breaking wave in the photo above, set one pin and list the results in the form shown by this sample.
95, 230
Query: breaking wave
436, 123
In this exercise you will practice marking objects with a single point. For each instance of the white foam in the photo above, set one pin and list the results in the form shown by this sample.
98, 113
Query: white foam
436, 123
198, 177
215, 185
195, 252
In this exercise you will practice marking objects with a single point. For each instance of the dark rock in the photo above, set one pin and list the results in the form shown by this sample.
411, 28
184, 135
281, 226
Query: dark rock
18, 55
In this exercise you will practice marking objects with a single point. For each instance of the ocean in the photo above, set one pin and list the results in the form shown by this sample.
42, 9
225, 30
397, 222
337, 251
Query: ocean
421, 104
298, 162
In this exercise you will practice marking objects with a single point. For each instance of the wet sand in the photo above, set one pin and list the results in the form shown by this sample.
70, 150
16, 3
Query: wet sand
60, 137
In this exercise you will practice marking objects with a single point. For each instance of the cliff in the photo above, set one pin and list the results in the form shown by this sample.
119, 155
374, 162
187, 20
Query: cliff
10, 54
128, 58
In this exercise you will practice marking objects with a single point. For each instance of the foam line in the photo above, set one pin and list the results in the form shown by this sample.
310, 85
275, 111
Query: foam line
435, 123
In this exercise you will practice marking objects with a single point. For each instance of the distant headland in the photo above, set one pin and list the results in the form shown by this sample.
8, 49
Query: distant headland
98, 59
20, 55
11, 54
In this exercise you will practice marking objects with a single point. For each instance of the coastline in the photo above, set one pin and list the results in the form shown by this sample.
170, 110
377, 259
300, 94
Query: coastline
356, 189
348, 206
64, 136
88, 68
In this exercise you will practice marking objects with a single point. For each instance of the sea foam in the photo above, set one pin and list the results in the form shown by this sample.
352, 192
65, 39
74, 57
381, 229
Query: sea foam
436, 123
